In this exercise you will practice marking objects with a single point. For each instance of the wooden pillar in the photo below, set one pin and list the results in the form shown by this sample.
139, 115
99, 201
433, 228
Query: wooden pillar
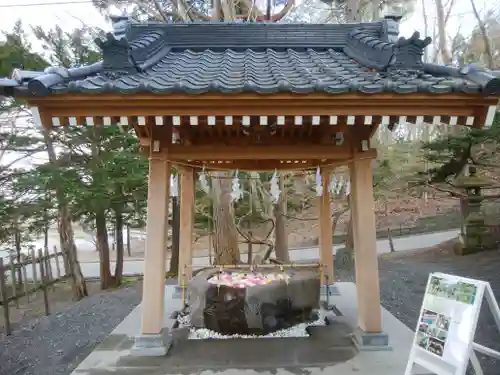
153, 297
365, 246
325, 229
186, 224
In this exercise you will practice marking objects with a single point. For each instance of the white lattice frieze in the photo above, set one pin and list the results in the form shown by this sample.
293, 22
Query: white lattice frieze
265, 120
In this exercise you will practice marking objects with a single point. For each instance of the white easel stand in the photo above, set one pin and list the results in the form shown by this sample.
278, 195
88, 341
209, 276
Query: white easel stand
495, 310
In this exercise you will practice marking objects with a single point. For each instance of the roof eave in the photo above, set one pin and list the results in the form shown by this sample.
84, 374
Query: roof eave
41, 84
488, 80
7, 87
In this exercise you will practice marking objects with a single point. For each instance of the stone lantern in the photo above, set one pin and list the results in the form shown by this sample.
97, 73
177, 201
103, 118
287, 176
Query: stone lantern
474, 233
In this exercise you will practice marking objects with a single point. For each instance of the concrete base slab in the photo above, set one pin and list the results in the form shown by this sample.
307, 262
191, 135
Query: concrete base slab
207, 357
363, 340
151, 345
371, 341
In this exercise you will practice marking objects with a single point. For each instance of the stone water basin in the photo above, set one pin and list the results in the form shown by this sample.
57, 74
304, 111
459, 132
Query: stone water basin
256, 303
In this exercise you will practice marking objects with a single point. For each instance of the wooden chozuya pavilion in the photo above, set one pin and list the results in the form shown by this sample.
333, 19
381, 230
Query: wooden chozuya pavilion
258, 96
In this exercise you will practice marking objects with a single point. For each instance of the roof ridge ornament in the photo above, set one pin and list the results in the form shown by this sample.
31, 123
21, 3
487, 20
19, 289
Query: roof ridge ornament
408, 52
369, 50
374, 52
390, 27
117, 56
120, 25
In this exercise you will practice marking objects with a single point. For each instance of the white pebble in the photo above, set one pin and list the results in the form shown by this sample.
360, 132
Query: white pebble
298, 330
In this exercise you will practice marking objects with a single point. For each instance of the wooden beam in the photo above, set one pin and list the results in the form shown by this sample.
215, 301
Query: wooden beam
365, 246
282, 104
273, 164
265, 165
325, 229
152, 311
186, 223
472, 99
300, 108
291, 152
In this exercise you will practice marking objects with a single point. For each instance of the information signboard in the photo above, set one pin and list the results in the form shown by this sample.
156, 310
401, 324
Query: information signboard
447, 323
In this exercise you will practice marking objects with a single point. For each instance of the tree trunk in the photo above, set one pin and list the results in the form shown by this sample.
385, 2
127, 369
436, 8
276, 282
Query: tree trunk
375, 10
442, 41
119, 248
103, 248
435, 48
102, 240
66, 236
353, 14
426, 30
216, 9
391, 241
484, 36
129, 253
225, 234
46, 226
280, 234
336, 218
46, 235
68, 247
174, 256
17, 242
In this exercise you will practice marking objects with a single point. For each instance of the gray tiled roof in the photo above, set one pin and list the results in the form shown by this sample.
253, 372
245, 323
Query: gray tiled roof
266, 71
262, 58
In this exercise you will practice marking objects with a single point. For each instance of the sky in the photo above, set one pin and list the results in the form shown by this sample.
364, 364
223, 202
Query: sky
69, 16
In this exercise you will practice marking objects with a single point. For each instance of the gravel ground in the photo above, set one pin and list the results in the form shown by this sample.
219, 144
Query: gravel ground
56, 344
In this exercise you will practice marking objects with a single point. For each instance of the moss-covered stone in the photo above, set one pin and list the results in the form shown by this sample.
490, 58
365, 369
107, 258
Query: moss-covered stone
344, 257
475, 236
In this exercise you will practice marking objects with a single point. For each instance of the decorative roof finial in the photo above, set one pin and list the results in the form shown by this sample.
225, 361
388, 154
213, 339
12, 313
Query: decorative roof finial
391, 24
120, 26
393, 12
117, 59
408, 52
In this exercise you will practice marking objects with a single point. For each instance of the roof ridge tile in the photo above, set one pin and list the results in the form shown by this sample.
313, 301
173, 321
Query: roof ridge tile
334, 59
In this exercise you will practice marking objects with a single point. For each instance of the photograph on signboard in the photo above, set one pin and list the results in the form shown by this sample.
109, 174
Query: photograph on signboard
433, 331
435, 346
443, 322
422, 340
429, 317
442, 335
458, 291
423, 327
466, 293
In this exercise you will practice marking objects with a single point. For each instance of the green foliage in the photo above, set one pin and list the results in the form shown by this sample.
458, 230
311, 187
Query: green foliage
16, 53
449, 153
72, 48
97, 169
17, 206
382, 174
108, 173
